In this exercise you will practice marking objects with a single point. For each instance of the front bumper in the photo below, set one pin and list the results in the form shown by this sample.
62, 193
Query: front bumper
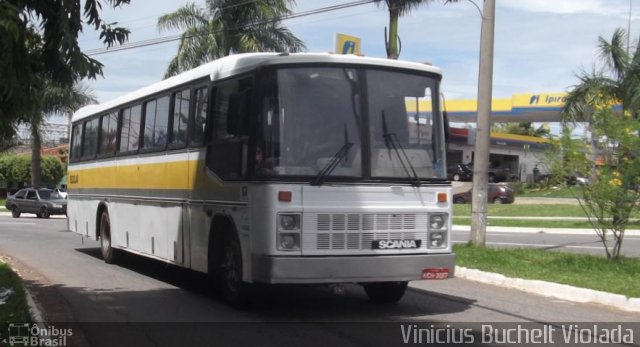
347, 269
56, 211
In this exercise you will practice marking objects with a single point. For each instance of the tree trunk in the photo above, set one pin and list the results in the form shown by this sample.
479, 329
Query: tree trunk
392, 45
36, 147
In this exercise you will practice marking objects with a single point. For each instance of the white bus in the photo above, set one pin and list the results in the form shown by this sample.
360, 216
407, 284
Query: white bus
273, 168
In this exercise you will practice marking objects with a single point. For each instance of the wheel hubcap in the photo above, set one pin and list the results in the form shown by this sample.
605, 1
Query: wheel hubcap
230, 268
104, 237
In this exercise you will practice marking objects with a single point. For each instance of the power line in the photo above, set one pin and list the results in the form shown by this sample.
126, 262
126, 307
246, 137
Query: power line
166, 39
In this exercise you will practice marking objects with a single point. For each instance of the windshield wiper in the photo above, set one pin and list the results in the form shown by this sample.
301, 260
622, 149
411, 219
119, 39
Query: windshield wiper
392, 139
335, 160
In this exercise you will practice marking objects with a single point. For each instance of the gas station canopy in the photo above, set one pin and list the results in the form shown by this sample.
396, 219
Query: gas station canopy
542, 107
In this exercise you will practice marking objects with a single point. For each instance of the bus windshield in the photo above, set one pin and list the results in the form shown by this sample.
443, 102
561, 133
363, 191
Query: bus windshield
350, 123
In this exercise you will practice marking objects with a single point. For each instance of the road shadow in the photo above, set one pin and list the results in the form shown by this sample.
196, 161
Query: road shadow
300, 303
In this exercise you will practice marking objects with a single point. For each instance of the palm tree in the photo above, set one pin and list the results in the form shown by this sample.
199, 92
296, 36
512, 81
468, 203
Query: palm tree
225, 27
398, 8
55, 99
618, 80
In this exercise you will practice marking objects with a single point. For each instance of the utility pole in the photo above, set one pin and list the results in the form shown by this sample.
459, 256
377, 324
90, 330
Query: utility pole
481, 156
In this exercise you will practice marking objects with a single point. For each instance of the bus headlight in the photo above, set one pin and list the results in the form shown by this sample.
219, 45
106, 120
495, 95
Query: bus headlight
437, 221
289, 222
288, 241
289, 227
437, 239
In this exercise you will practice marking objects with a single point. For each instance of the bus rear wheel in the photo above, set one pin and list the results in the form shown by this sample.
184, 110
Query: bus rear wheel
109, 254
233, 289
385, 292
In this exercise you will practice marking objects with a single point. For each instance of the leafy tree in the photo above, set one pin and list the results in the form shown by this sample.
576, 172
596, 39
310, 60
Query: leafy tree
566, 157
52, 170
615, 186
225, 27
16, 170
522, 128
39, 40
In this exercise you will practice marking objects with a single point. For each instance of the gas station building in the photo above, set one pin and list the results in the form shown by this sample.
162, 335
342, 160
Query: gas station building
518, 153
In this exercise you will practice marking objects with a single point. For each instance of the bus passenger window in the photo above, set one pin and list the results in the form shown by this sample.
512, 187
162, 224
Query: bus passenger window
108, 133
76, 142
200, 118
90, 139
180, 118
129, 134
156, 120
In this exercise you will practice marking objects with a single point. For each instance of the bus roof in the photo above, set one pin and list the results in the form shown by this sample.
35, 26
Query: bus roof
239, 63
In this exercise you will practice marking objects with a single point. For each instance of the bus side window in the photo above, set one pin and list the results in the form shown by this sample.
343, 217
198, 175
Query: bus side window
130, 129
180, 118
76, 142
199, 118
226, 152
156, 119
108, 134
90, 138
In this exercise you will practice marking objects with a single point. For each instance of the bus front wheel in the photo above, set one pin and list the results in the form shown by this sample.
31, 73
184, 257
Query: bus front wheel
385, 292
108, 253
234, 291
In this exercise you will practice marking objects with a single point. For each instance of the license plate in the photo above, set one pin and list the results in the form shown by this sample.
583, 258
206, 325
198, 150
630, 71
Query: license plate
395, 244
435, 274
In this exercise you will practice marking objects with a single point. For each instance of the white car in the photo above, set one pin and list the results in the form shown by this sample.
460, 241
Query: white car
62, 192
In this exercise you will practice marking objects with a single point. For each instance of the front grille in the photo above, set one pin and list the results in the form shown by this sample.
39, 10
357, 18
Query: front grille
357, 231
370, 221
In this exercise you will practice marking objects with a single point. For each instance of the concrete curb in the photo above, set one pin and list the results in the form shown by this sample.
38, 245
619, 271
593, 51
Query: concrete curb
34, 309
551, 290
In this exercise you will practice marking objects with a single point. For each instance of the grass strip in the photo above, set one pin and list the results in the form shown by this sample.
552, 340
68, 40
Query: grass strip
579, 270
15, 309
539, 223
513, 210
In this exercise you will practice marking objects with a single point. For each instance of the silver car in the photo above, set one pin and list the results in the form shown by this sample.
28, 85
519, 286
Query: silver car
41, 201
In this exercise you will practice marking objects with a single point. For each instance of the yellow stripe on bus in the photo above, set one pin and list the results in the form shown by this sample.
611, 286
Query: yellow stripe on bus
169, 175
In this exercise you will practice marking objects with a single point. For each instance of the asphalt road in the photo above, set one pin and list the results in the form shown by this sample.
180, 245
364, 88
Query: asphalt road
111, 302
587, 242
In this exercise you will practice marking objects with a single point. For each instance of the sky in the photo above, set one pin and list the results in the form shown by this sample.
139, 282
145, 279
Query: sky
540, 45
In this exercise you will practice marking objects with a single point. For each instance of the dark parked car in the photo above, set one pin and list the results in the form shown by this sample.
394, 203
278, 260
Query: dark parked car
41, 201
495, 173
460, 172
498, 194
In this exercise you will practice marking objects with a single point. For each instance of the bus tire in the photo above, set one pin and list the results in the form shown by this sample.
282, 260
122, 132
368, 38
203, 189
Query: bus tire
109, 254
385, 292
232, 288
